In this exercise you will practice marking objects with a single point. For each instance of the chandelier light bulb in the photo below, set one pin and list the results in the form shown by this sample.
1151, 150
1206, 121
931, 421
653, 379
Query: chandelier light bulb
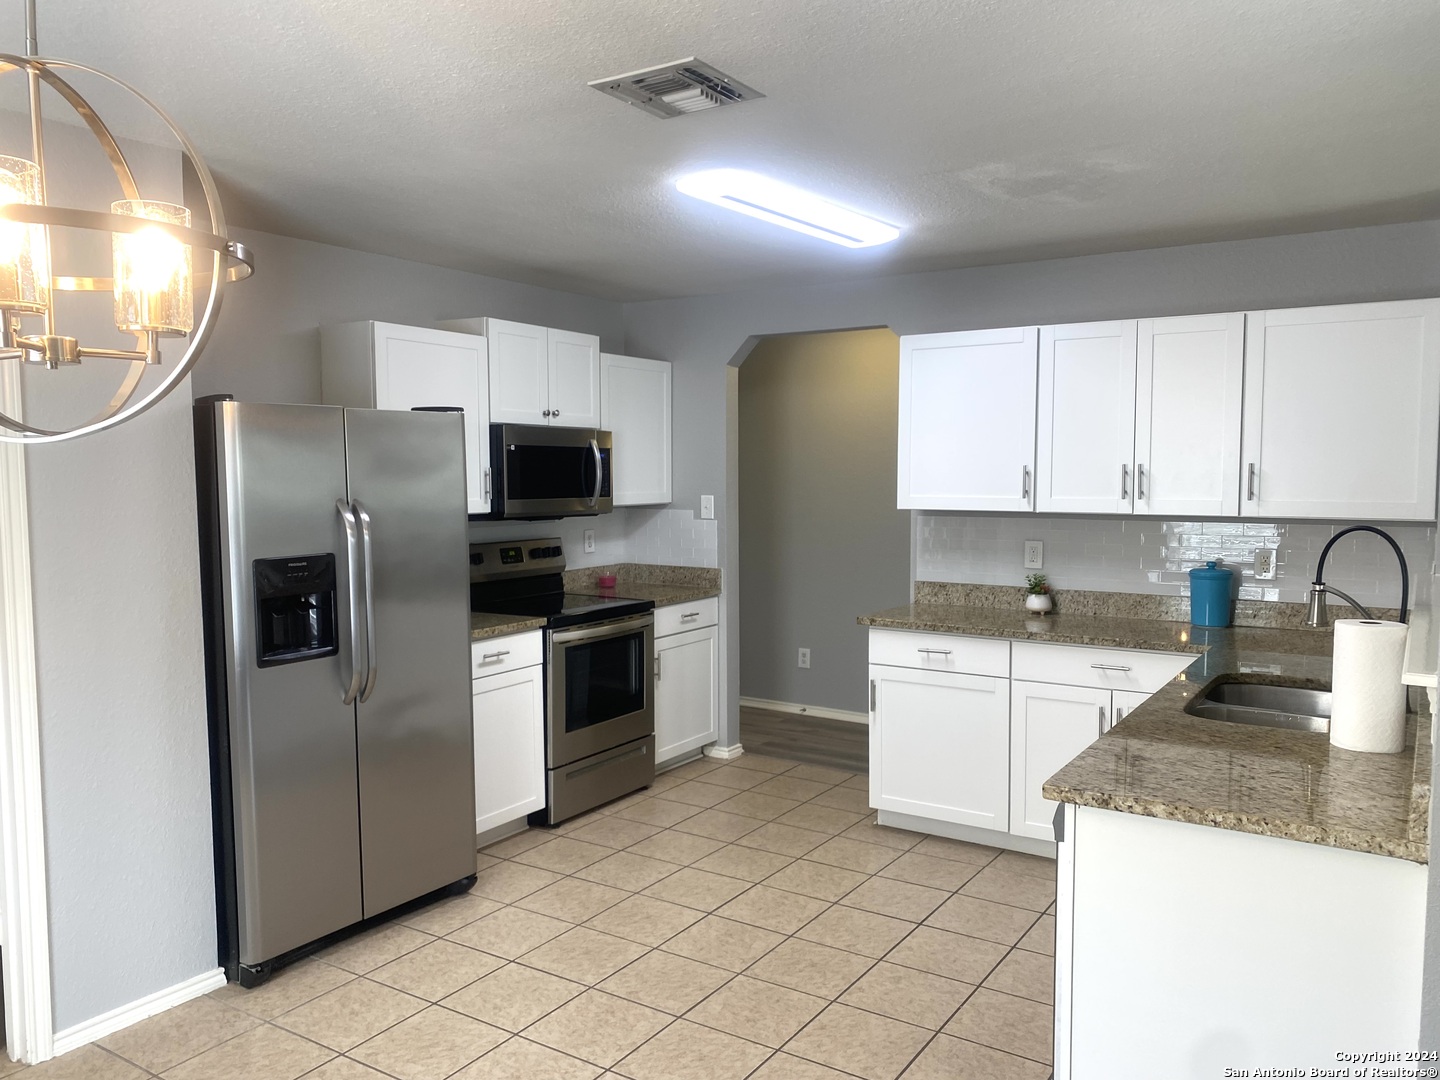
24, 252
152, 270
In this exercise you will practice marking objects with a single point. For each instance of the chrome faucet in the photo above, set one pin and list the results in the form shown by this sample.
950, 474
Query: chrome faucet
1318, 616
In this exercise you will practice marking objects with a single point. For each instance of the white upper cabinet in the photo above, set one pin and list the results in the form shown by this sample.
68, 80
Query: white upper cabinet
372, 365
635, 409
539, 375
1188, 389
1086, 431
967, 420
1341, 408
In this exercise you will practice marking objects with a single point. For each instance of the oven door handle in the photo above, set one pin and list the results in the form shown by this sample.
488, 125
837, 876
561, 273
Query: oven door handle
618, 628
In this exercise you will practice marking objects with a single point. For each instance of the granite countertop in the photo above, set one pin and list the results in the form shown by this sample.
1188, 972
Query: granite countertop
1162, 762
485, 625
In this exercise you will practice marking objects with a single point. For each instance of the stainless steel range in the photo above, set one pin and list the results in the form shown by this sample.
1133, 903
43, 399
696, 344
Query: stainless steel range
599, 663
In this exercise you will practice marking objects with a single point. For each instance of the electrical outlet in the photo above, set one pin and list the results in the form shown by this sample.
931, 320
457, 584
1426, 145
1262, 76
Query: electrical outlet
707, 507
590, 541
1265, 564
1034, 554
805, 658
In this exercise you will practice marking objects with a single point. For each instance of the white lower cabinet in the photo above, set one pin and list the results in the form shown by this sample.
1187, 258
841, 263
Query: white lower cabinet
508, 709
1049, 726
686, 682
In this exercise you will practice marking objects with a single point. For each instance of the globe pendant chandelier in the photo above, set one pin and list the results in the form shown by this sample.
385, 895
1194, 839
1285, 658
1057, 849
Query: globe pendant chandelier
153, 274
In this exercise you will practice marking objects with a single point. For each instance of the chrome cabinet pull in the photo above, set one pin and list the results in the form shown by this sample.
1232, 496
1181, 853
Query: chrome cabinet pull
657, 666
554, 412
545, 413
1124, 481
1110, 667
494, 655
372, 667
1119, 715
1102, 718
1250, 485
935, 652
689, 615
352, 575
872, 695
487, 485
1140, 482
1025, 483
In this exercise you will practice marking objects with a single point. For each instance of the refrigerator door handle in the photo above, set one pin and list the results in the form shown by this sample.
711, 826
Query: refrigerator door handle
372, 669
352, 575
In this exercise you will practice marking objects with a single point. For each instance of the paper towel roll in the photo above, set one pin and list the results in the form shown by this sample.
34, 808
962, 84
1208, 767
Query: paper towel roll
1367, 698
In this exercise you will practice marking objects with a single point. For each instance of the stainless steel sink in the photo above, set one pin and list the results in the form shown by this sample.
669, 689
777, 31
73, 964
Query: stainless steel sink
1289, 707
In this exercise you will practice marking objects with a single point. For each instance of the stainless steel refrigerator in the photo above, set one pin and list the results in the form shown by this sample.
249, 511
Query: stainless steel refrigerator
336, 586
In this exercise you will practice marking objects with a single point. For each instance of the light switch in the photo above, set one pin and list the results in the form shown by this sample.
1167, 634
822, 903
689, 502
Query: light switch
707, 507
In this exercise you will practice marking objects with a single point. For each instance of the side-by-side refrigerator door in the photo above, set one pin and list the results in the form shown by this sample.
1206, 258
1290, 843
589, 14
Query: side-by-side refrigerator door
417, 794
280, 471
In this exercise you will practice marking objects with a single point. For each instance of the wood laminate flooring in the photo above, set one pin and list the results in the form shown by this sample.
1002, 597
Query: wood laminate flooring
815, 740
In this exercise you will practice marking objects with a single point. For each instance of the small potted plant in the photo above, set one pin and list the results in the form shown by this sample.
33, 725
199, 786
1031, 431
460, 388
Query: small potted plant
1037, 596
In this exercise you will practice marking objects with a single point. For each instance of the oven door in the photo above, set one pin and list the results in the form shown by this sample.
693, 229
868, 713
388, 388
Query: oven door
600, 692
551, 472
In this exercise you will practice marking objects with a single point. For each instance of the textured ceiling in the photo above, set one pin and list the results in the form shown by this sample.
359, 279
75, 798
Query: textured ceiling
462, 133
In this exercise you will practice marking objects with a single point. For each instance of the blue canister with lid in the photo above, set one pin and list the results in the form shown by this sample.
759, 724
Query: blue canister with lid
1210, 595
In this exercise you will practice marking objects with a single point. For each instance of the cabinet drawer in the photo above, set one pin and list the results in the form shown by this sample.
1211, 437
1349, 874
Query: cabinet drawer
940, 652
494, 655
674, 618
1103, 669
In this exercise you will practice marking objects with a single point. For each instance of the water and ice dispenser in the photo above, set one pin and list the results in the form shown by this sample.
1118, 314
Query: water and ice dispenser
295, 609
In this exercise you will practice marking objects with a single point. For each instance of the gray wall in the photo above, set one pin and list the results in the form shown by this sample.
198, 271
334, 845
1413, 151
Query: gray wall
820, 539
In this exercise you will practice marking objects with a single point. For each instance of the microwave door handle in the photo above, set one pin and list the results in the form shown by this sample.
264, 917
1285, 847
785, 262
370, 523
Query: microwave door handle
599, 470
372, 668
352, 576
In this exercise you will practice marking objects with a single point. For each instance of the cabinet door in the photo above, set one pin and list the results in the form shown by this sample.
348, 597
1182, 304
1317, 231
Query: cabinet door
1121, 703
418, 367
509, 715
519, 372
574, 375
1341, 407
1086, 431
1049, 726
939, 746
967, 420
635, 409
686, 693
1188, 386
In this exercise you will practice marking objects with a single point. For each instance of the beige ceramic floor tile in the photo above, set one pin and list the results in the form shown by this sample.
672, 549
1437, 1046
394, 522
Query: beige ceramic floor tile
822, 774
1025, 974
789, 1067
697, 767
584, 955
563, 855
350, 1014
723, 943
899, 899
791, 786
170, 1037
614, 832
927, 870
263, 1053
942, 847
676, 847
10, 1068
482, 862
645, 919
521, 1059
902, 993
342, 1068
514, 845
816, 879
761, 1012
718, 825
664, 782
565, 828
572, 899
1008, 887
752, 804
86, 1063
514, 997
697, 793
947, 1058
883, 835
1041, 936
628, 871
1034, 865
763, 763
843, 798
510, 932
856, 931
367, 951
686, 1051
697, 889
854, 855
955, 956
858, 1042
429, 1045
811, 967
435, 970
735, 778
860, 780
597, 1027
820, 818
510, 881
774, 909
663, 813
746, 863
1015, 1025
983, 919
449, 914
287, 988
661, 980
783, 839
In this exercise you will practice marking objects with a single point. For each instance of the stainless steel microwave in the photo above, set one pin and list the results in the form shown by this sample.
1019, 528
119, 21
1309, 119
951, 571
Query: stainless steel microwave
548, 472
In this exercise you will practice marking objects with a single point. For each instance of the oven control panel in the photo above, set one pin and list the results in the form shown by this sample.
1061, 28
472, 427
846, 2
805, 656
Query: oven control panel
493, 560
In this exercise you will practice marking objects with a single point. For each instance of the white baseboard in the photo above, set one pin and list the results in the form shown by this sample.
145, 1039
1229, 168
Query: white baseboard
112, 1021
724, 753
969, 833
805, 710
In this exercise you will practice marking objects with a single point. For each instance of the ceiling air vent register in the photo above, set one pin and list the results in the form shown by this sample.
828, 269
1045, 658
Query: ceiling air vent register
686, 86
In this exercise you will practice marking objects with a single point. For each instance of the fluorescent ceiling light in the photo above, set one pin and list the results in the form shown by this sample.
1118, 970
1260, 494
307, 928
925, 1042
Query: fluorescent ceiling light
780, 204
